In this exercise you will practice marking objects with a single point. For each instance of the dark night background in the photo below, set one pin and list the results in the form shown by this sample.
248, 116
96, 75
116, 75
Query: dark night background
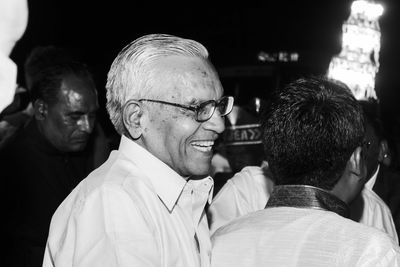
234, 34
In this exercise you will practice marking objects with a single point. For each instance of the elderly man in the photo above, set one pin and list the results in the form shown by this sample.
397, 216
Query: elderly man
45, 160
313, 137
145, 205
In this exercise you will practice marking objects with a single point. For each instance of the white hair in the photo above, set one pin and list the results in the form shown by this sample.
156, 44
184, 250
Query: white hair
131, 75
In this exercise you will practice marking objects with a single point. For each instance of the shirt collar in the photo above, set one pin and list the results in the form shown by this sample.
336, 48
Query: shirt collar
203, 186
371, 182
305, 196
167, 183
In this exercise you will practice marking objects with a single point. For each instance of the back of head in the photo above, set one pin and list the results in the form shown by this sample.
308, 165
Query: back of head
45, 68
310, 131
131, 74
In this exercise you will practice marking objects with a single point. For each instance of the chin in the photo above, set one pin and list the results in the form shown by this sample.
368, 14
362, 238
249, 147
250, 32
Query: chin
77, 147
201, 170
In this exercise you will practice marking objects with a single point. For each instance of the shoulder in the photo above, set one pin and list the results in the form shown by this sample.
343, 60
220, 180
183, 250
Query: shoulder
244, 224
115, 182
248, 176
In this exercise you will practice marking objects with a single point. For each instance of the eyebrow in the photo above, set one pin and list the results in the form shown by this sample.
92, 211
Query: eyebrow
192, 102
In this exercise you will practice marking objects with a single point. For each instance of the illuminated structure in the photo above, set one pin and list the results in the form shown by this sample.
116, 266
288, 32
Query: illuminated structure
358, 61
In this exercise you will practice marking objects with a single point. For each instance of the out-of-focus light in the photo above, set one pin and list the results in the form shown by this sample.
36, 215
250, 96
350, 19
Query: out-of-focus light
365, 39
233, 115
370, 9
358, 61
360, 79
257, 103
281, 56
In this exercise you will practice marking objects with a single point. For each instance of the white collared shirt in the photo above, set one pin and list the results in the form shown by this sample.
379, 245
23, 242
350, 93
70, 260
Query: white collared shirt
133, 210
249, 190
287, 236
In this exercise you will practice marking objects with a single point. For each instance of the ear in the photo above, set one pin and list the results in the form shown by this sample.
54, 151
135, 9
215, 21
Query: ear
131, 115
356, 163
353, 178
40, 109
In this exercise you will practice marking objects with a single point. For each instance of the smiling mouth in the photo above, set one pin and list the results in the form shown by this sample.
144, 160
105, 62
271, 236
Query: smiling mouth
203, 146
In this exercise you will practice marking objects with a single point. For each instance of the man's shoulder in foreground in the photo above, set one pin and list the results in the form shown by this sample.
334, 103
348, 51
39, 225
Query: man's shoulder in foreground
288, 236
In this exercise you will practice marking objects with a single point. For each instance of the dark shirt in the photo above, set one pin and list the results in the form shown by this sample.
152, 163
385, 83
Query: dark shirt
36, 179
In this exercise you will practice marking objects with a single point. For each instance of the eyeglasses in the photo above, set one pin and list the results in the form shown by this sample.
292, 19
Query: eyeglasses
205, 110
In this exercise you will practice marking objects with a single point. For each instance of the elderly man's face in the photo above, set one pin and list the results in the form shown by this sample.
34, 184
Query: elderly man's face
69, 122
171, 133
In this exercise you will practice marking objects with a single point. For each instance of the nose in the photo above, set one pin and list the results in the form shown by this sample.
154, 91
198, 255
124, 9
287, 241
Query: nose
86, 124
216, 123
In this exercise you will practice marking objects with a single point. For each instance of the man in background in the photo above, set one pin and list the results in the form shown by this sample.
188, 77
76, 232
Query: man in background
48, 157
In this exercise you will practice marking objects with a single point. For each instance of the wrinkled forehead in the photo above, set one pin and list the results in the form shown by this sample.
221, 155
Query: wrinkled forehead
188, 77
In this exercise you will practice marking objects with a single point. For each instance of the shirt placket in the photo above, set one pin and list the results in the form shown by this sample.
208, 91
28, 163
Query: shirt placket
199, 198
187, 207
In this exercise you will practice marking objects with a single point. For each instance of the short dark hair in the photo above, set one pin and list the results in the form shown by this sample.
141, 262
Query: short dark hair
310, 131
45, 68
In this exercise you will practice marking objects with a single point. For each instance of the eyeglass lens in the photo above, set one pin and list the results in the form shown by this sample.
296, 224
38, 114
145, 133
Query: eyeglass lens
207, 110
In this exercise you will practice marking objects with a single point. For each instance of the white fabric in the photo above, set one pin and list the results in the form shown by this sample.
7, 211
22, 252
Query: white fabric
248, 191
132, 211
8, 81
13, 22
375, 211
286, 236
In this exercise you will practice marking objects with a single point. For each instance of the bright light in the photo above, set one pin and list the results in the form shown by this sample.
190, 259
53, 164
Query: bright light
365, 39
369, 9
358, 62
233, 115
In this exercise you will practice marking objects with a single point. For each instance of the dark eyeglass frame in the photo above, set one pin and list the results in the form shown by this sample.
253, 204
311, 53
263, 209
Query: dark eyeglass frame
198, 107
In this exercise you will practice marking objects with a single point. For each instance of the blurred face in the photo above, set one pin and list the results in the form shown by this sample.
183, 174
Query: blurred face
69, 122
372, 151
171, 133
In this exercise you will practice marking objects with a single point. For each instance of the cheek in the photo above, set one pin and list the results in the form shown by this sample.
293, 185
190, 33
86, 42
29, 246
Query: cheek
57, 123
185, 132
67, 128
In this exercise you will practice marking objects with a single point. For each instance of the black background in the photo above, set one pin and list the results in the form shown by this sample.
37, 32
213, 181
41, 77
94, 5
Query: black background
233, 33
